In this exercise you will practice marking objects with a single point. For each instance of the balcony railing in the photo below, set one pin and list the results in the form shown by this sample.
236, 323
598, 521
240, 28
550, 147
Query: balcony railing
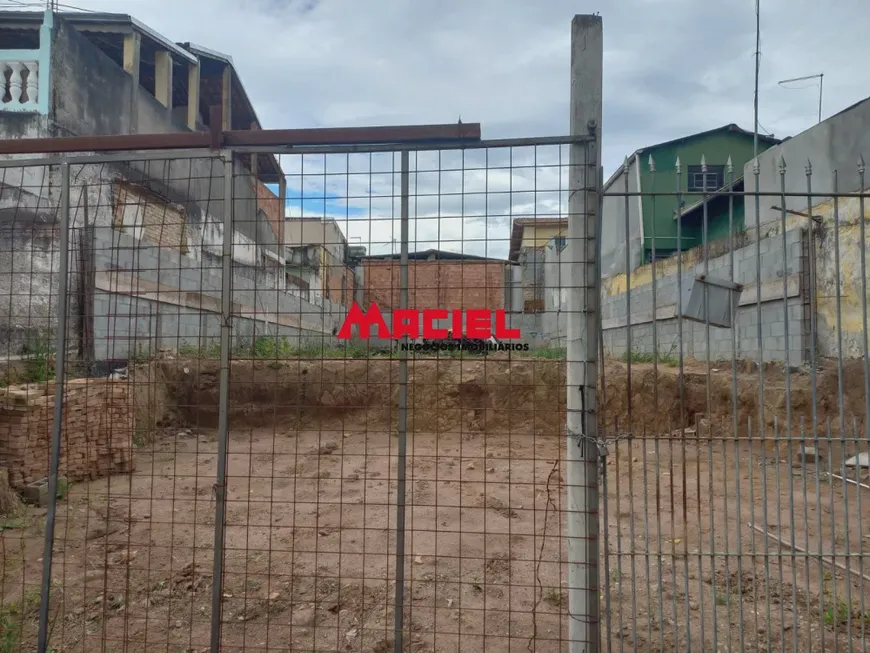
20, 79
24, 74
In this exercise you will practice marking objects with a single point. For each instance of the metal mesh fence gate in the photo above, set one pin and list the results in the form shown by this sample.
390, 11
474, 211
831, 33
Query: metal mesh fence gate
236, 471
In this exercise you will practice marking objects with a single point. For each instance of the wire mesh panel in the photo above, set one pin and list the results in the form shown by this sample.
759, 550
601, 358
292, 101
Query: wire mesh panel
734, 334
394, 476
112, 272
319, 407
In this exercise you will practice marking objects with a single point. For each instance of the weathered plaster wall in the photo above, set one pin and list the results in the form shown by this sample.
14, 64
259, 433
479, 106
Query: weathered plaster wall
29, 253
842, 279
148, 298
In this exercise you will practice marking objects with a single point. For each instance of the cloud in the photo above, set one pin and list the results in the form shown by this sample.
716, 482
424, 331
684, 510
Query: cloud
671, 68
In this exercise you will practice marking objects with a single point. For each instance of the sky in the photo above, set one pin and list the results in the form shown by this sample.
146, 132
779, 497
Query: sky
671, 68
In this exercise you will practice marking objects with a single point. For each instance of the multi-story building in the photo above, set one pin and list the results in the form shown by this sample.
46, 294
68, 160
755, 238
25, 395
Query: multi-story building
318, 261
84, 74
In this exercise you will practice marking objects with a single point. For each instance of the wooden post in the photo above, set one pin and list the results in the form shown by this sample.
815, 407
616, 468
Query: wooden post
282, 198
192, 95
87, 280
255, 163
132, 51
163, 78
227, 98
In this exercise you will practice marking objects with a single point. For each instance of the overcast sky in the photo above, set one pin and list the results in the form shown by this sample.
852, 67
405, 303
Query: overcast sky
671, 68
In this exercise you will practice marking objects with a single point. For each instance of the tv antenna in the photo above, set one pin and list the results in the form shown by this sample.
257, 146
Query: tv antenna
821, 79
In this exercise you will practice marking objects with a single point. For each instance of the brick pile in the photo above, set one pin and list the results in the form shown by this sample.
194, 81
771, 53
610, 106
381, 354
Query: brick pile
97, 435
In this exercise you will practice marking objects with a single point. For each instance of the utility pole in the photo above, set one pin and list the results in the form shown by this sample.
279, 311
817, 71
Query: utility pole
583, 455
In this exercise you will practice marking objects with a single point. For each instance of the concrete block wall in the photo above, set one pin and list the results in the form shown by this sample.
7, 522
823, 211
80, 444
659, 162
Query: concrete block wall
149, 297
779, 264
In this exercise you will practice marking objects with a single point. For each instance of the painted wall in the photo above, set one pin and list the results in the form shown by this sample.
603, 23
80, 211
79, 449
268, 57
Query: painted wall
537, 236
557, 283
715, 148
29, 244
720, 217
531, 263
312, 231
270, 204
835, 144
93, 95
658, 212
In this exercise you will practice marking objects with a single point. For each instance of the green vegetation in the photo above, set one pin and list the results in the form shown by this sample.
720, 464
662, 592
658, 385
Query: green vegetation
549, 352
556, 598
668, 359
279, 348
37, 366
839, 614
63, 488
14, 616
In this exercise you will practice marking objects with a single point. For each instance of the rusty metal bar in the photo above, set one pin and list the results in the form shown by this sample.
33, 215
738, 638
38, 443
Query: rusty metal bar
246, 138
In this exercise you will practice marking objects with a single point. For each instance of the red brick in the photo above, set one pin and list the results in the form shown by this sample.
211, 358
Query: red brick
436, 284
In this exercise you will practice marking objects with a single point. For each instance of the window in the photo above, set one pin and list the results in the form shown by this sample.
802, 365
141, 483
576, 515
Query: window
148, 217
560, 243
710, 181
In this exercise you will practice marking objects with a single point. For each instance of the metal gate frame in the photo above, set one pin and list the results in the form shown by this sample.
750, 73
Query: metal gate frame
584, 169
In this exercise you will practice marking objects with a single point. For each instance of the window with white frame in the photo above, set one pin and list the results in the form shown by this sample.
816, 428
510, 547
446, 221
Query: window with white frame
711, 180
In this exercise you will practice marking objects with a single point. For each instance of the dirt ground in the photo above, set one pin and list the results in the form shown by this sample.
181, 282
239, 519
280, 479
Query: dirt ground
312, 482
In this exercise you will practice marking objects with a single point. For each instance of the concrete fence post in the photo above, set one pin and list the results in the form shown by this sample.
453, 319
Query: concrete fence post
583, 299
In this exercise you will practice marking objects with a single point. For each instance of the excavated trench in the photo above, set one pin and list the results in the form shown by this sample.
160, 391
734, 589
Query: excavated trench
499, 392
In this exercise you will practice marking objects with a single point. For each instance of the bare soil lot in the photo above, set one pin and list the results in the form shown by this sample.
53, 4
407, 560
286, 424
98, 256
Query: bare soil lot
310, 537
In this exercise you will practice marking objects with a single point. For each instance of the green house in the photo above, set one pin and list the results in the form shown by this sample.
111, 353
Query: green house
703, 174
